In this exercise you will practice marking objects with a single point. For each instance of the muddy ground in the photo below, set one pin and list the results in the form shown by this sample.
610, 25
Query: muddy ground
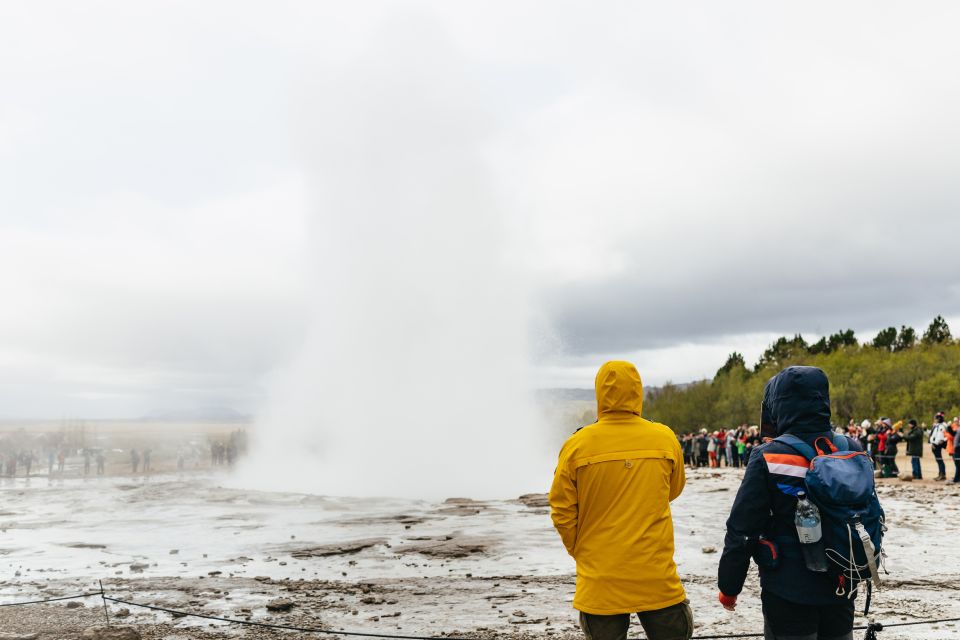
480, 569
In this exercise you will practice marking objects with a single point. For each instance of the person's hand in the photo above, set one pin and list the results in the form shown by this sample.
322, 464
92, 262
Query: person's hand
729, 602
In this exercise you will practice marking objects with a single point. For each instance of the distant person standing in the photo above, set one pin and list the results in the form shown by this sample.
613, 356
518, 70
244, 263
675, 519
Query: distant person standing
938, 442
101, 463
731, 446
134, 460
873, 439
891, 451
703, 444
61, 460
914, 440
688, 449
50, 457
146, 459
86, 462
610, 503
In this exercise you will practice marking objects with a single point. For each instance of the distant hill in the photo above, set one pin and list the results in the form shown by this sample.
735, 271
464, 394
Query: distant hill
546, 395
198, 414
560, 393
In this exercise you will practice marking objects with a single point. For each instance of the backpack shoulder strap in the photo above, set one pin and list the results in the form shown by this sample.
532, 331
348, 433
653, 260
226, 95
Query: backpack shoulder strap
797, 445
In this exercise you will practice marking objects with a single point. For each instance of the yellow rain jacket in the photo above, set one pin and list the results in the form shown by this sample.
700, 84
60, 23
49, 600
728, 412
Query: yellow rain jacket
610, 502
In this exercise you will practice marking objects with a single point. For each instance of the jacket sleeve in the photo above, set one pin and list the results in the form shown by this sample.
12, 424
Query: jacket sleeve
564, 509
748, 519
678, 479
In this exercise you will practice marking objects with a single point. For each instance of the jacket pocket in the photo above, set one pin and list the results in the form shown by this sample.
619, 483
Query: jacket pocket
637, 454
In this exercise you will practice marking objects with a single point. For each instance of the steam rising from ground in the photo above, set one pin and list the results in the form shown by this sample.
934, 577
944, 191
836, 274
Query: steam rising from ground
414, 377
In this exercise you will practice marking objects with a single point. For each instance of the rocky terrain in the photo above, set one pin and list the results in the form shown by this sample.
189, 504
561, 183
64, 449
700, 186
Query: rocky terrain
479, 569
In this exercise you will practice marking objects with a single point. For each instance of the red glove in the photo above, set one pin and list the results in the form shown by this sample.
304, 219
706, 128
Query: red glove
729, 602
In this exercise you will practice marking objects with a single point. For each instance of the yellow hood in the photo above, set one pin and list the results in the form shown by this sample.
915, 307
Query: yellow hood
619, 388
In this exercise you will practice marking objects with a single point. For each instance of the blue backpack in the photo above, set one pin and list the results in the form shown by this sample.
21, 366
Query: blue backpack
841, 484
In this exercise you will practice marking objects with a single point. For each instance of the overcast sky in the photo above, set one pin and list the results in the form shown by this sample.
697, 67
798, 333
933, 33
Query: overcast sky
676, 181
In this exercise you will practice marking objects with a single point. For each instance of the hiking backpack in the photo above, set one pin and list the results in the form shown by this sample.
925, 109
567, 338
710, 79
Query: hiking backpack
841, 484
938, 435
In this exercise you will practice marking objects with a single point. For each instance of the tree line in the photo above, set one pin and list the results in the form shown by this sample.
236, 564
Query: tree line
895, 375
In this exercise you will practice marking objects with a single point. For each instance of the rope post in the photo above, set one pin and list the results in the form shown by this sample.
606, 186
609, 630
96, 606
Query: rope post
103, 596
872, 629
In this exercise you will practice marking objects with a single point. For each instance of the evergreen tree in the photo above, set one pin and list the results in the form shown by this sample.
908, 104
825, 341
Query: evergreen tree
734, 361
820, 346
906, 339
938, 332
841, 339
781, 351
885, 339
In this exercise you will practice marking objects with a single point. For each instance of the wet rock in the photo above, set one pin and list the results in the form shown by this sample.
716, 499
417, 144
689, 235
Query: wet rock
709, 549
461, 507
85, 545
280, 604
19, 636
113, 632
451, 547
906, 477
460, 510
122, 613
73, 604
405, 519
337, 549
534, 500
138, 567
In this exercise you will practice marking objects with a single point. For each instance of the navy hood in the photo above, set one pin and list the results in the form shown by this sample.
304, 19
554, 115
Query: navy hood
797, 400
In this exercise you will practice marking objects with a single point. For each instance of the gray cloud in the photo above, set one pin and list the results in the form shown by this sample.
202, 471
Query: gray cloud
673, 177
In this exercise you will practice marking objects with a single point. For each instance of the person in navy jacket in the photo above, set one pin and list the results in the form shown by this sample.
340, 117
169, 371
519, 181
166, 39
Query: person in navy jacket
798, 604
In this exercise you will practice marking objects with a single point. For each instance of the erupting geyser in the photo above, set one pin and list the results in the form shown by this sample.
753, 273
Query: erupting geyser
414, 378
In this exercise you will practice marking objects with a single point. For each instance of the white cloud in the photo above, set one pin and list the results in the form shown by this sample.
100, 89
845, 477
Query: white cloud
681, 179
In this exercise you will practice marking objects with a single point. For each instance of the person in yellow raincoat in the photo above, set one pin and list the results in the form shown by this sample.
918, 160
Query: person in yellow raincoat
610, 502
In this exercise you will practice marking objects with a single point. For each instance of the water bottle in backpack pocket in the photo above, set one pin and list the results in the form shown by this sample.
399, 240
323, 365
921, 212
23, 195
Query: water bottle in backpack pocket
840, 485
810, 533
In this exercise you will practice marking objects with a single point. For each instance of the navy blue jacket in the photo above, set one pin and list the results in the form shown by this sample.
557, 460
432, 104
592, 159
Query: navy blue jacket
796, 401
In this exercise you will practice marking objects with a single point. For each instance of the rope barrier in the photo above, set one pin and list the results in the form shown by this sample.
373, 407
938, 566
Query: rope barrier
871, 628
284, 627
910, 624
60, 599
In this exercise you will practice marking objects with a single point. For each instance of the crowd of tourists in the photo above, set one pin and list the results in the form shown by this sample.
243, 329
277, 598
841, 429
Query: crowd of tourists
883, 439
723, 448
